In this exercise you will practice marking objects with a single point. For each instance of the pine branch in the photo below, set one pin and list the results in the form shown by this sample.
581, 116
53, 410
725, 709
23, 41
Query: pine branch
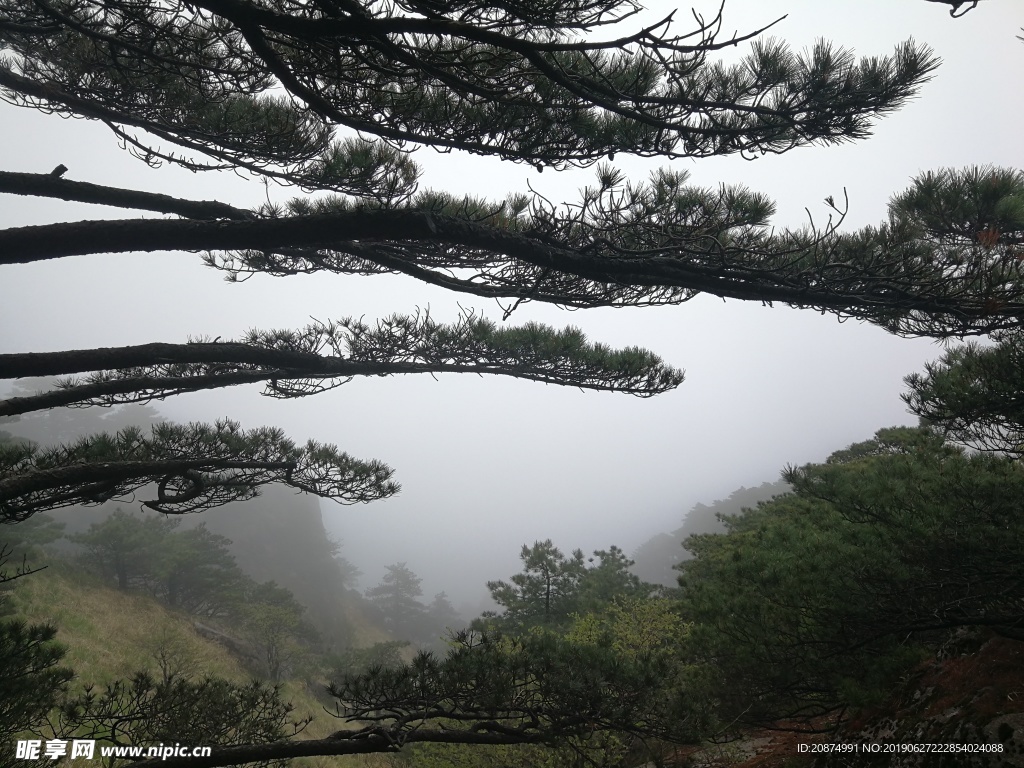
342, 743
195, 467
294, 364
955, 11
501, 81
974, 395
889, 275
493, 690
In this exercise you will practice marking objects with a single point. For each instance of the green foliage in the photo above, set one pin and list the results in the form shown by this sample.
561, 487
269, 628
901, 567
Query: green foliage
954, 233
191, 569
209, 711
973, 395
562, 608
323, 356
111, 634
357, 661
945, 262
553, 588
965, 208
274, 623
609, 579
633, 627
280, 537
194, 570
443, 617
641, 629
125, 547
657, 557
19, 543
535, 687
821, 598
592, 696
516, 82
395, 603
775, 606
546, 592
397, 599
952, 519
31, 679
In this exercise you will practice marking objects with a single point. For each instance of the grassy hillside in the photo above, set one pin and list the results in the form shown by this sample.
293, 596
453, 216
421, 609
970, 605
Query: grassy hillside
111, 634
278, 536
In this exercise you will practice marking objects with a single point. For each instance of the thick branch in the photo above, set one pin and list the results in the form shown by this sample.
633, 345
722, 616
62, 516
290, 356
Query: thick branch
955, 10
342, 743
136, 390
47, 185
144, 389
20, 365
51, 95
489, 80
814, 279
35, 480
23, 245
248, 18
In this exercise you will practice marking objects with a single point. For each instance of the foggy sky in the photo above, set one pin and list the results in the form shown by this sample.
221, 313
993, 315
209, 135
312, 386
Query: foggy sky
488, 464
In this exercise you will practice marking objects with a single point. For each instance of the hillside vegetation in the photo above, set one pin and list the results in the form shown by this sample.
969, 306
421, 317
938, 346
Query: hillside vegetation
857, 606
110, 636
657, 558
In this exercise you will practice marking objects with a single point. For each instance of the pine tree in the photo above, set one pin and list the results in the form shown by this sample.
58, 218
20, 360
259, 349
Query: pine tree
397, 599
194, 571
125, 547
974, 395
820, 599
31, 677
274, 624
266, 89
552, 587
547, 590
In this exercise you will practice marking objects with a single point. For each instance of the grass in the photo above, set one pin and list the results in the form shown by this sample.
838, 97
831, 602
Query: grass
110, 634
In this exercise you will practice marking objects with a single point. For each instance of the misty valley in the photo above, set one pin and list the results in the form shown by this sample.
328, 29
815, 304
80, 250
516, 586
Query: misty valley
843, 588
302, 465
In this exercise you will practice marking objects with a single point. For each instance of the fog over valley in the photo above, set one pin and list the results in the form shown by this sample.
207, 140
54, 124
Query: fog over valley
544, 383
488, 463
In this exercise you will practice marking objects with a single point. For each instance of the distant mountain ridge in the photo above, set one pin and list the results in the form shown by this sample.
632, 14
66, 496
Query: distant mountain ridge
656, 557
